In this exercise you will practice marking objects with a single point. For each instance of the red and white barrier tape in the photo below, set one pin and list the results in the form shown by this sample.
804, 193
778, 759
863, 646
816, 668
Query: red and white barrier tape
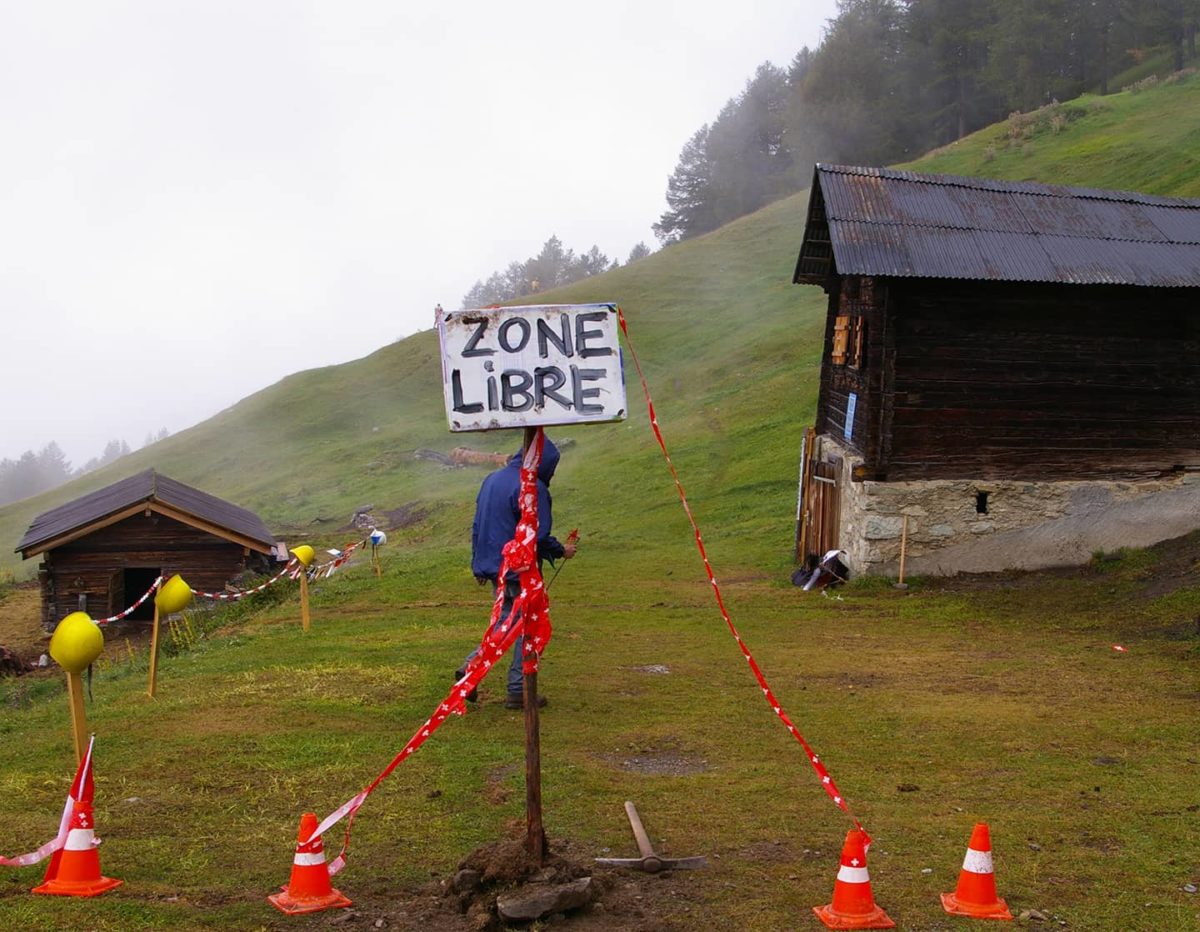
242, 593
330, 566
822, 773
129, 611
82, 789
529, 610
293, 569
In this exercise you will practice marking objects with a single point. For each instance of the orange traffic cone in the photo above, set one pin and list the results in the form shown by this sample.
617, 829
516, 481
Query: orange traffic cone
853, 907
975, 895
308, 890
75, 869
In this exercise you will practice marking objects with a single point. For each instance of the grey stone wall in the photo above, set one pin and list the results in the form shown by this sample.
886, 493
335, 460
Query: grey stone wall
984, 526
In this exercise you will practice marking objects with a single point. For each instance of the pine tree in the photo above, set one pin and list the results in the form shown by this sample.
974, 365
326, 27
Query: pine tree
639, 251
691, 201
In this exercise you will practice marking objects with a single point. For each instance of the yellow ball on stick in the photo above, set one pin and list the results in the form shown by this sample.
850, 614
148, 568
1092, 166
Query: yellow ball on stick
173, 596
305, 554
76, 642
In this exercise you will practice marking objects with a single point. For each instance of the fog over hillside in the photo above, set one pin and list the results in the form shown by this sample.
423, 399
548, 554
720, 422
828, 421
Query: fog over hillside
202, 199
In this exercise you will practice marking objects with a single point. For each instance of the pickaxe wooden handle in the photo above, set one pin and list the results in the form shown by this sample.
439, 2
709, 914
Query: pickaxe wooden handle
649, 862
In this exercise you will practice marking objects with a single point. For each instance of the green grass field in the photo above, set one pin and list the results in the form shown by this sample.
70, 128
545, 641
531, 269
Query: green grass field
1000, 700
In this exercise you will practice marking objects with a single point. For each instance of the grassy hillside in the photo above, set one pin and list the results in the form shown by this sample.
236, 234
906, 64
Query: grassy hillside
730, 345
933, 708
1133, 141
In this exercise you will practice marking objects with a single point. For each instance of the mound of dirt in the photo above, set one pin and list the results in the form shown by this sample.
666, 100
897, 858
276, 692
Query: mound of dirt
504, 870
11, 664
580, 895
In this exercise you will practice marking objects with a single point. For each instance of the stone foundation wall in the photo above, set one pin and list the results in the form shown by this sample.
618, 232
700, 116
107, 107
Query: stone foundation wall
973, 526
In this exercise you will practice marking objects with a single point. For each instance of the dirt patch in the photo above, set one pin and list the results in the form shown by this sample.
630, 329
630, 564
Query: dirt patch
495, 791
406, 515
661, 762
663, 755
666, 763
1174, 564
1006, 579
20, 627
860, 679
768, 852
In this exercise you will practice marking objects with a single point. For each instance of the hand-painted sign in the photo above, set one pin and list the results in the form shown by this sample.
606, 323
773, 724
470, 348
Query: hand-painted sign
531, 366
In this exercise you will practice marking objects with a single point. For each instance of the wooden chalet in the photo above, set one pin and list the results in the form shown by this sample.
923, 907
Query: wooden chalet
994, 352
102, 551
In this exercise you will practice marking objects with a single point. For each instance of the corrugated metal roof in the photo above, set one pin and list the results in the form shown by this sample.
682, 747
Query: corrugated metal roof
146, 486
901, 223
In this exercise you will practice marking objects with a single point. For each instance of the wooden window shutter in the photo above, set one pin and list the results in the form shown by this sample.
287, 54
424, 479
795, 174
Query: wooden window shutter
841, 339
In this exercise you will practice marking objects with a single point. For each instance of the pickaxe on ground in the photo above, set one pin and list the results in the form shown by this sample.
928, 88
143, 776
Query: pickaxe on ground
649, 862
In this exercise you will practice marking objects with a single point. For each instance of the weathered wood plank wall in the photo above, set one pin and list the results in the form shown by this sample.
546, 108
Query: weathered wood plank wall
996, 380
864, 299
87, 566
1042, 381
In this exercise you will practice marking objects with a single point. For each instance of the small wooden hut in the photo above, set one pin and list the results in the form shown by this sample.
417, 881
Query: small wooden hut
102, 551
1010, 370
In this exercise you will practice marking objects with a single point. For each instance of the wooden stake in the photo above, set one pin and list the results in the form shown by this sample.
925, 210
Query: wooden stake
150, 689
903, 546
305, 620
78, 718
375, 562
535, 835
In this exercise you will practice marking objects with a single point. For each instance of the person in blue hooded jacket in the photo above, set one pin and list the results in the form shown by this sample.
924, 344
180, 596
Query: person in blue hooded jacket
497, 511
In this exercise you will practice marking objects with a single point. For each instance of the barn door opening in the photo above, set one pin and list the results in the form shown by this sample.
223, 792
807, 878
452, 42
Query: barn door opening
818, 509
136, 581
116, 592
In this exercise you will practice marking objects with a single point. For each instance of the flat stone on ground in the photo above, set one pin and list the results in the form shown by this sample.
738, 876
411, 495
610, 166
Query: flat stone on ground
533, 902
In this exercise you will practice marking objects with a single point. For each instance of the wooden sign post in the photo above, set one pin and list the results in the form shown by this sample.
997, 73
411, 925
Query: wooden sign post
153, 684
305, 620
535, 834
79, 728
174, 595
531, 367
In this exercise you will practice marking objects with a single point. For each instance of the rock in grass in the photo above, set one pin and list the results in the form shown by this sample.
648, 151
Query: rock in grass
528, 903
466, 881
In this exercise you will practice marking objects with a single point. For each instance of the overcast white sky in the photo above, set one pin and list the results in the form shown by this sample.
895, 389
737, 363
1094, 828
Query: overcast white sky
199, 198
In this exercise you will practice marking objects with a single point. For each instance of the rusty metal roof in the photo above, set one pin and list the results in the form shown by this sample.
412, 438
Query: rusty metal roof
148, 486
877, 221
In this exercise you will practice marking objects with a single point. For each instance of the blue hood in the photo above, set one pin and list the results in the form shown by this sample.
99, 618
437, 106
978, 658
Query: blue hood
549, 463
497, 511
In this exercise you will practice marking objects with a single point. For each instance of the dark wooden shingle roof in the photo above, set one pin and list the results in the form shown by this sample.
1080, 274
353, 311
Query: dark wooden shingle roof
151, 488
876, 221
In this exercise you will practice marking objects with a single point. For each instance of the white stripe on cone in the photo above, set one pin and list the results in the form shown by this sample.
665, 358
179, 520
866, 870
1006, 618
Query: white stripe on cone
853, 874
80, 839
308, 860
978, 862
